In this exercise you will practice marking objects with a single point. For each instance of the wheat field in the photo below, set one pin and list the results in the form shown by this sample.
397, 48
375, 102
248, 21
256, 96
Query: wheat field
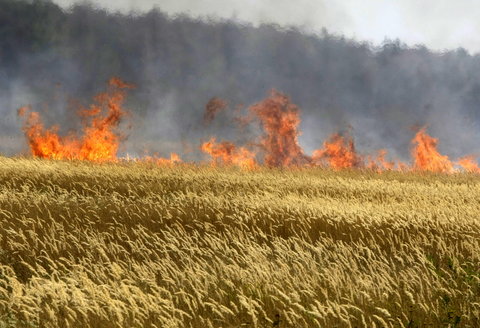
138, 245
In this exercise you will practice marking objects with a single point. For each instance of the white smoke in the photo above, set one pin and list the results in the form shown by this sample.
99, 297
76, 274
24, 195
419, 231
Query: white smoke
437, 24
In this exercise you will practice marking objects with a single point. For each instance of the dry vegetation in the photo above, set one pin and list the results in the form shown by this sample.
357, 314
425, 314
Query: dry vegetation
133, 245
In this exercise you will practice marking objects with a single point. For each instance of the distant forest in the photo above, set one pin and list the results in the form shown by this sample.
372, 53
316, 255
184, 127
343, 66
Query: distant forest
378, 92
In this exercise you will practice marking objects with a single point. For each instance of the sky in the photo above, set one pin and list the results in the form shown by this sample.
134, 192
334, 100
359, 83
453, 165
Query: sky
437, 24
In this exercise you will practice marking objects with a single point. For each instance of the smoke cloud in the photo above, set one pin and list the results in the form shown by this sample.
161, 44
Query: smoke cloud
438, 24
52, 58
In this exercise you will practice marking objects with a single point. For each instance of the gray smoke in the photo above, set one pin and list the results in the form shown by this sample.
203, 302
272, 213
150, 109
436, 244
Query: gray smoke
439, 24
49, 56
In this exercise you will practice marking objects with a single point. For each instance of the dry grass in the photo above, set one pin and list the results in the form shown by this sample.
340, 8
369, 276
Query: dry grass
133, 245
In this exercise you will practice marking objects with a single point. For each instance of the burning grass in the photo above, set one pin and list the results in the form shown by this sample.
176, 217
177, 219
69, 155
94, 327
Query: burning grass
100, 138
278, 146
138, 245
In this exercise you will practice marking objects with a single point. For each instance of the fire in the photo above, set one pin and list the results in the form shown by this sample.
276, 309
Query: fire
278, 144
469, 164
46, 143
426, 156
380, 163
229, 154
280, 119
174, 159
100, 139
155, 159
338, 152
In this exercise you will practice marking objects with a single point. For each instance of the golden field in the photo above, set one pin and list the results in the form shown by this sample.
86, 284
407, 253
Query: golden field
138, 245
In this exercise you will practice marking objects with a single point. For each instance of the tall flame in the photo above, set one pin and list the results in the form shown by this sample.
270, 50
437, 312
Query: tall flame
280, 119
426, 156
100, 139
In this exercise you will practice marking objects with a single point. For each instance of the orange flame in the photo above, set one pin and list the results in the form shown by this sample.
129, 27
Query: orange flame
280, 120
469, 164
46, 143
174, 159
426, 156
229, 154
100, 140
155, 159
380, 163
338, 152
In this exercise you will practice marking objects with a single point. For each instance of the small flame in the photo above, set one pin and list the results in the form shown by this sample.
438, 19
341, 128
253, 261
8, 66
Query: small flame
155, 159
380, 163
338, 152
469, 164
228, 154
174, 159
100, 139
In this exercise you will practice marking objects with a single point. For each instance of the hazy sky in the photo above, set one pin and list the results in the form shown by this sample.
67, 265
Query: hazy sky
438, 24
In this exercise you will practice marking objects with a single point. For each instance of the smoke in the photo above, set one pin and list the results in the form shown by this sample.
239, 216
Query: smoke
312, 14
50, 58
438, 24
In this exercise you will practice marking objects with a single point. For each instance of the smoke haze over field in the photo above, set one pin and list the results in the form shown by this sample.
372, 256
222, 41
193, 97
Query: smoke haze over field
49, 56
438, 24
